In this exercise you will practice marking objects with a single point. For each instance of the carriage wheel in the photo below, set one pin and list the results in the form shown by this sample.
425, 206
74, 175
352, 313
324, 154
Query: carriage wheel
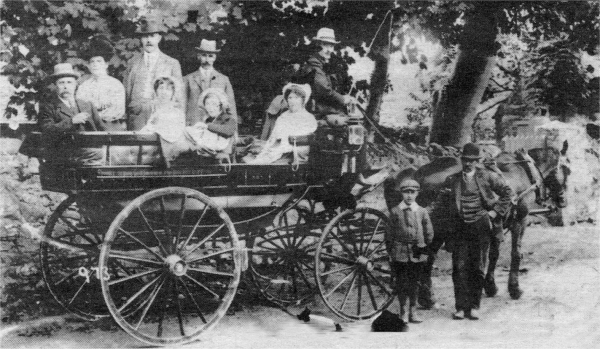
353, 271
282, 261
70, 270
182, 263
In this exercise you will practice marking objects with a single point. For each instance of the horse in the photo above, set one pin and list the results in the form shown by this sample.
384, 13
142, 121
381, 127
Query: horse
538, 178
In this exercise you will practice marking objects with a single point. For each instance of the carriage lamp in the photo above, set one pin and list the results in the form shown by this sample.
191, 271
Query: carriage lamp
356, 134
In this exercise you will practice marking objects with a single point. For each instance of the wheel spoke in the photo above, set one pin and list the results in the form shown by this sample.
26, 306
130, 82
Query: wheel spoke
78, 291
362, 232
211, 255
134, 276
160, 245
376, 249
141, 243
135, 259
336, 258
379, 283
303, 275
197, 246
336, 270
77, 230
150, 302
204, 287
370, 291
178, 303
347, 294
138, 293
339, 284
373, 235
189, 294
213, 272
189, 238
180, 223
71, 274
342, 244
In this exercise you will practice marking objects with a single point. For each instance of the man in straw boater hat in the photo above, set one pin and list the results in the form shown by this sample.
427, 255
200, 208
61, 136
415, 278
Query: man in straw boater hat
64, 114
143, 69
106, 93
480, 198
204, 78
329, 104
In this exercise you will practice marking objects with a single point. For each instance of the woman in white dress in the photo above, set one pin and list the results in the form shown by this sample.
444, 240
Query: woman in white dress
294, 122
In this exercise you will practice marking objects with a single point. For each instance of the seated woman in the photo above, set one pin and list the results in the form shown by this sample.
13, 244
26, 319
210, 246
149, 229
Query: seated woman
213, 132
296, 121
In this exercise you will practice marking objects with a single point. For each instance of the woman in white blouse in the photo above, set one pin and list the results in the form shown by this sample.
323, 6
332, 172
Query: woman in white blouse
106, 93
296, 121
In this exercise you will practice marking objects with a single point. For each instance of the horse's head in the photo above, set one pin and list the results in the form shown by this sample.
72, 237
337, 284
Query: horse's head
554, 167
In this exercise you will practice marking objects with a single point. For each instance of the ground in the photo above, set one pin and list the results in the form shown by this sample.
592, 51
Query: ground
559, 309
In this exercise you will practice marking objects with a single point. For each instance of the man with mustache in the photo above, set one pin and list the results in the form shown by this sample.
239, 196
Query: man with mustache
64, 114
329, 104
204, 78
143, 69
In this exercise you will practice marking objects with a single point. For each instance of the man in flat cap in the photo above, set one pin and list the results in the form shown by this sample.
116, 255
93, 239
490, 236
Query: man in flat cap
480, 197
106, 93
204, 78
64, 114
329, 104
143, 69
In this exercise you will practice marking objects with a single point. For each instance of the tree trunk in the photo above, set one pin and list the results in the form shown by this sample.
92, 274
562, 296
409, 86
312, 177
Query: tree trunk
454, 116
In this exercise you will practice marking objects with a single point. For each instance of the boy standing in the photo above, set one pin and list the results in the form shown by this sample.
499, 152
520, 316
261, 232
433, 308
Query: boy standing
410, 233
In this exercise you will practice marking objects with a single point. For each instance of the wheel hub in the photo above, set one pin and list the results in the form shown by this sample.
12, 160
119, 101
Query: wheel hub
176, 265
365, 263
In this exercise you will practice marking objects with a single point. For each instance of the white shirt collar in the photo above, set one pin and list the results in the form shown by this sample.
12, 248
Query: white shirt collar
206, 72
413, 206
469, 174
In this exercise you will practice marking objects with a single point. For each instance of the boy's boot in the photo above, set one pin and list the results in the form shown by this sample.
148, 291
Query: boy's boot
413, 316
404, 316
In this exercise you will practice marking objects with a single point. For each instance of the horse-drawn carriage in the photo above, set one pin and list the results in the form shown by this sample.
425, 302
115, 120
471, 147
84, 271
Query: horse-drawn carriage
162, 248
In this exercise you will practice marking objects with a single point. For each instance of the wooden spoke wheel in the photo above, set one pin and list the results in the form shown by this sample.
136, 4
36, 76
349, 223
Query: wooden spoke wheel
70, 266
182, 263
353, 271
282, 258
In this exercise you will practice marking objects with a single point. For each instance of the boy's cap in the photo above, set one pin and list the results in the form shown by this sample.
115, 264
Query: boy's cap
409, 185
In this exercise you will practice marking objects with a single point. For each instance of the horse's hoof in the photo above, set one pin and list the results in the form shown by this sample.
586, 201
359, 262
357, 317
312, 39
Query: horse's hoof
490, 287
515, 293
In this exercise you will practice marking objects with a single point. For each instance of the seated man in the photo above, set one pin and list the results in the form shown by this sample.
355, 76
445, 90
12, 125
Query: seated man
64, 114
329, 104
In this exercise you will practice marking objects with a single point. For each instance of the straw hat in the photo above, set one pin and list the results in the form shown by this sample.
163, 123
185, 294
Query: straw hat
219, 93
63, 70
208, 46
326, 35
303, 90
409, 184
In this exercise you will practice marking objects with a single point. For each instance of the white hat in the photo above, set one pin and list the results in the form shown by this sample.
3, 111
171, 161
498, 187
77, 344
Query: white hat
209, 46
304, 89
326, 35
219, 93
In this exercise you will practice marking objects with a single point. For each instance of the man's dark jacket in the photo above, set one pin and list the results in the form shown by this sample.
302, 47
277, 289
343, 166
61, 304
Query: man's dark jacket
326, 99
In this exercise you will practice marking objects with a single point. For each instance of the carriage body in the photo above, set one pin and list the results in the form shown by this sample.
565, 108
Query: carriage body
135, 234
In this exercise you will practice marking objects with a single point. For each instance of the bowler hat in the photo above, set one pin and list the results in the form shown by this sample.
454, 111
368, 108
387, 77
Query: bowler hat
150, 26
208, 46
99, 47
409, 184
471, 151
63, 70
326, 35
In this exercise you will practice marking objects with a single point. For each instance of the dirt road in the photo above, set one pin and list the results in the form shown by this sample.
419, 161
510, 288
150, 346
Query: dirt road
559, 309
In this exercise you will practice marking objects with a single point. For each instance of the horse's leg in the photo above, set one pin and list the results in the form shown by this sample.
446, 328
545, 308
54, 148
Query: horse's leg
489, 284
517, 232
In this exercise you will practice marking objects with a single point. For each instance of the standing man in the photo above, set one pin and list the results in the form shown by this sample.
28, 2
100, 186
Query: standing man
204, 78
329, 104
143, 69
106, 93
481, 196
64, 114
